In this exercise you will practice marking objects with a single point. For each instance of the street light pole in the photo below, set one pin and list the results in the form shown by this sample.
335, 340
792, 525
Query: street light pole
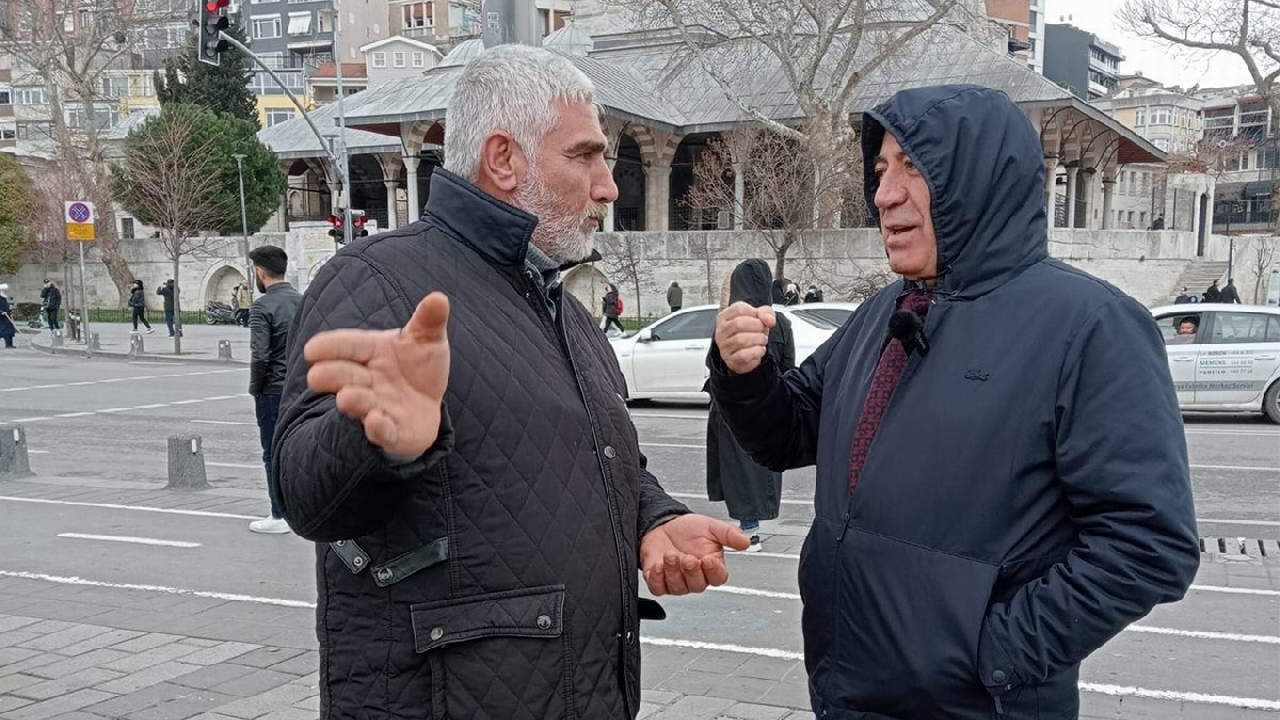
244, 224
344, 168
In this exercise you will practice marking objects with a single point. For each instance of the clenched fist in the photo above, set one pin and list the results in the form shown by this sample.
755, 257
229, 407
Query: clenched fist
391, 381
742, 334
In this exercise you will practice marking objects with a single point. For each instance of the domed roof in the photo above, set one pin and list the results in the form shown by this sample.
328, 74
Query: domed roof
569, 40
463, 53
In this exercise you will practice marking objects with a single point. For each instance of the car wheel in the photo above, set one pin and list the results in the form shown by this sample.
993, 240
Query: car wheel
1271, 402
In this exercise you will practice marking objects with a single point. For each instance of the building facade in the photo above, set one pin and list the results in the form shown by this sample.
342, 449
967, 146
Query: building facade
1242, 151
1024, 21
1080, 61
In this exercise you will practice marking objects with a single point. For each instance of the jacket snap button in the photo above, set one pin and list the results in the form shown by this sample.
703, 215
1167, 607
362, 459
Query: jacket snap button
629, 636
544, 622
998, 677
340, 543
357, 561
437, 633
609, 452
384, 574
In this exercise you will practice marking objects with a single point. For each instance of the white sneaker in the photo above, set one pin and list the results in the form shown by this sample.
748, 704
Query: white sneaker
150, 330
756, 546
270, 526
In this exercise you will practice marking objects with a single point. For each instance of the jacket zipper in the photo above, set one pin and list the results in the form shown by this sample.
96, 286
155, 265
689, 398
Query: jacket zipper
563, 336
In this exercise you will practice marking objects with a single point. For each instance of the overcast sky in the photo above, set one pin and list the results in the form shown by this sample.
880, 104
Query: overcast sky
1153, 60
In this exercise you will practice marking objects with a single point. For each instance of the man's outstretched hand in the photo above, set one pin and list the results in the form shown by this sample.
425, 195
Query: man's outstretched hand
391, 381
686, 554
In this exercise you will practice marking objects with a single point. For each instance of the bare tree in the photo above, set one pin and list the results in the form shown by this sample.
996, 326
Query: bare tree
69, 46
1266, 252
771, 186
169, 180
816, 52
624, 262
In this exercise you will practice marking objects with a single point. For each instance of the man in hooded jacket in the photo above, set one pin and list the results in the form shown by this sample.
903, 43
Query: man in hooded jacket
1002, 480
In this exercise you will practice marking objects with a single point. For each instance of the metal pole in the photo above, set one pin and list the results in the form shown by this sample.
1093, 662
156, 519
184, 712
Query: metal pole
344, 159
244, 225
84, 299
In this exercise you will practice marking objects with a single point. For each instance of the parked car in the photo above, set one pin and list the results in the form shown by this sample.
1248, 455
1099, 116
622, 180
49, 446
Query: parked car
1227, 357
833, 313
668, 358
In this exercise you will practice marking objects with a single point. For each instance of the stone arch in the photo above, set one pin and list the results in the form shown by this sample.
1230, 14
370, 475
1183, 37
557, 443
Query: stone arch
218, 284
586, 283
629, 176
313, 269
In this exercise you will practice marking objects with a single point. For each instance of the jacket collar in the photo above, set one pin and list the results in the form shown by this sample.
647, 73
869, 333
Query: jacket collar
496, 230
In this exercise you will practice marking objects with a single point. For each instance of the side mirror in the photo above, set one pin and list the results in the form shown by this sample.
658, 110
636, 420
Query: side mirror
645, 336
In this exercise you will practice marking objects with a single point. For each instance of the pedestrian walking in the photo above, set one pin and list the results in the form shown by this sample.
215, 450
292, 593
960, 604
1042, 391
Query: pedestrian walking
750, 491
51, 301
1002, 479
138, 304
169, 292
240, 300
270, 317
611, 306
1213, 294
675, 296
461, 450
1184, 297
1229, 293
8, 329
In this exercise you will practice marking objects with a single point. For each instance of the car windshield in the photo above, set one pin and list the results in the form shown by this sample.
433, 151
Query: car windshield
815, 318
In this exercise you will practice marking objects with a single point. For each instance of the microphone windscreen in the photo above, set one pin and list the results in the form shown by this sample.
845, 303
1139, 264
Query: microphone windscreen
904, 325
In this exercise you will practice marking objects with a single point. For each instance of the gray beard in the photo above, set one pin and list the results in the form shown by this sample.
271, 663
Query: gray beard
559, 232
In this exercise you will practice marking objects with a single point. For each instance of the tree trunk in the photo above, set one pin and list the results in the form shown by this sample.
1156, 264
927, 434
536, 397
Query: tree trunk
108, 241
636, 282
177, 307
780, 260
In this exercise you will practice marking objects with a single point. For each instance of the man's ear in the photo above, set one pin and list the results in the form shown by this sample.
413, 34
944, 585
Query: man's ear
502, 162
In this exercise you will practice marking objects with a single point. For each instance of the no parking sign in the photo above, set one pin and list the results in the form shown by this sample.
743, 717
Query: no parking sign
79, 218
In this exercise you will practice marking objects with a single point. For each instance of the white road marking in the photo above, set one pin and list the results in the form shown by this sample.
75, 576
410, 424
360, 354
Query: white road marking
82, 383
241, 466
139, 407
37, 452
1238, 468
1236, 591
37, 418
149, 407
222, 422
139, 508
231, 597
703, 496
661, 416
188, 402
699, 645
673, 445
115, 410
1205, 635
1175, 696
134, 540
1264, 523
734, 590
780, 556
73, 414
1235, 433
221, 397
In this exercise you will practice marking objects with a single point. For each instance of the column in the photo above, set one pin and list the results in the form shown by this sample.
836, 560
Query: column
1086, 191
1195, 222
389, 163
1108, 185
1071, 196
284, 211
739, 196
1050, 187
657, 196
612, 162
391, 186
411, 181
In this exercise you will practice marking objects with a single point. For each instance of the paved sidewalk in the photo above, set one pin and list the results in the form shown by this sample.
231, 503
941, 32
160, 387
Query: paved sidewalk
199, 342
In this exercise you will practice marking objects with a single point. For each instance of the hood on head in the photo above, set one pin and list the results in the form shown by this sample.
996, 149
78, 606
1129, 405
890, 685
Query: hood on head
984, 165
751, 282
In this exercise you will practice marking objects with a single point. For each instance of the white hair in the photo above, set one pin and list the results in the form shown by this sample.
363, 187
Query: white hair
513, 88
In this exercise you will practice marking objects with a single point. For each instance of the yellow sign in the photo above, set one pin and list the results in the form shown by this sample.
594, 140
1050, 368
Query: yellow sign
80, 232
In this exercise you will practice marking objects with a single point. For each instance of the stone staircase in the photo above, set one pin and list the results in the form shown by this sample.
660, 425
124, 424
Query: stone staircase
1197, 276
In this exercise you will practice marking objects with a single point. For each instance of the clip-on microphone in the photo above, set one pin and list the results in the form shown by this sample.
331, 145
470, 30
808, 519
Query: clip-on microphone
908, 328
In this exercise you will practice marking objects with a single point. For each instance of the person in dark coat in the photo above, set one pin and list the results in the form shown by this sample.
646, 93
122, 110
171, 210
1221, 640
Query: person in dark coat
675, 296
1002, 479
138, 304
1229, 293
1213, 294
51, 300
453, 434
751, 492
813, 294
8, 330
168, 291
1183, 298
609, 306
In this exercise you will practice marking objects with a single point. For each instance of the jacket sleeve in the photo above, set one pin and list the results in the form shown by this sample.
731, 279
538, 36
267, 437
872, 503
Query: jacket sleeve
335, 484
1122, 460
791, 402
259, 349
655, 504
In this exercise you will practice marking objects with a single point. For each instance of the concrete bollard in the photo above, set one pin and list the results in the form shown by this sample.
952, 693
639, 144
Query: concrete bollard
224, 349
186, 463
136, 348
14, 462
94, 344
57, 340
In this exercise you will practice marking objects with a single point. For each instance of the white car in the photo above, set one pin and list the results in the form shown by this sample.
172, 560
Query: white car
1223, 358
668, 359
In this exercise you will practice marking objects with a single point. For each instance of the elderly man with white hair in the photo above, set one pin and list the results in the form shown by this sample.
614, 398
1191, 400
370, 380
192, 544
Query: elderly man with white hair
453, 435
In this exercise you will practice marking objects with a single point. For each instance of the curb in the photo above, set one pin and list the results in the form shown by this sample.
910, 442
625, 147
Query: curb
84, 353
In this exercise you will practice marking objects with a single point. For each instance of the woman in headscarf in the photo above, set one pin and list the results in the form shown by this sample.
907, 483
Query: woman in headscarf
751, 492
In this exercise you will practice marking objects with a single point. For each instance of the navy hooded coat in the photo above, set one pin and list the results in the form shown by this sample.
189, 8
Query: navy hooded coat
1027, 494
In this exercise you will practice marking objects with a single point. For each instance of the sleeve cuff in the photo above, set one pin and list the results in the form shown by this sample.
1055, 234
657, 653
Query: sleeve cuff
995, 667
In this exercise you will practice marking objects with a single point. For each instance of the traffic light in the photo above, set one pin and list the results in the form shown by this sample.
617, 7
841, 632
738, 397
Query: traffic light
213, 20
335, 232
358, 219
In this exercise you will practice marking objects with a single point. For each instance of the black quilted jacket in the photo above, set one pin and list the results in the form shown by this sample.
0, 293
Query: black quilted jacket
496, 576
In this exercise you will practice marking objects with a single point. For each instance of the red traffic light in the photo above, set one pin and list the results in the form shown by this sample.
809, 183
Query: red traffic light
214, 6
358, 221
335, 221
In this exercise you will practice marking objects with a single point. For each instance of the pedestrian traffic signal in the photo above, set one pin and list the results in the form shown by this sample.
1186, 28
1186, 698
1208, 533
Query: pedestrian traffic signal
358, 219
213, 20
335, 232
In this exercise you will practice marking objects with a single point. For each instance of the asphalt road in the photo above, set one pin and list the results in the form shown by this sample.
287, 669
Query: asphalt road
1214, 653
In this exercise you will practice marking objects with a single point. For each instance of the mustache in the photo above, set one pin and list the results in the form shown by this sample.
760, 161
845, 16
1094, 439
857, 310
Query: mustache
598, 211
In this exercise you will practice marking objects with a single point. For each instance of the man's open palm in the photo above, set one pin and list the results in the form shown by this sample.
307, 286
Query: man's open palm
391, 381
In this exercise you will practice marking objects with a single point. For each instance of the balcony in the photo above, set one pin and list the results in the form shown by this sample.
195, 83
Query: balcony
425, 33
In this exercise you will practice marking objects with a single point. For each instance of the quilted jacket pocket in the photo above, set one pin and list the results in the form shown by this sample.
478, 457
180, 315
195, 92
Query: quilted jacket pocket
482, 648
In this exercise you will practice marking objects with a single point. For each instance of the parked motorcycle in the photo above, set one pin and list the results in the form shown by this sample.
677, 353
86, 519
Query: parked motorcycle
216, 313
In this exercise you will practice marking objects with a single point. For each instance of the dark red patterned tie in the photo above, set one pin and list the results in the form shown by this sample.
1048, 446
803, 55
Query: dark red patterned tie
892, 362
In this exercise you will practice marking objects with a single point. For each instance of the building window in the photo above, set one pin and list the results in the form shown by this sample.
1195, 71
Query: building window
126, 228
8, 132
275, 117
416, 15
378, 60
300, 23
398, 59
1244, 161
115, 87
419, 59
1141, 118
6, 96
324, 22
266, 27
1142, 219
29, 96
68, 23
